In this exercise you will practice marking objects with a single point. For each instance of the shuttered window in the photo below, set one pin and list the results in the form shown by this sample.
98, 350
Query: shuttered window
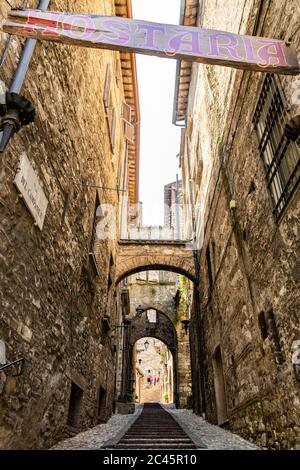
109, 107
112, 129
95, 246
128, 126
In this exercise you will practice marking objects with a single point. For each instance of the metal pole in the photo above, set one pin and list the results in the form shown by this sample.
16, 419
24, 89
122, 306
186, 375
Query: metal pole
177, 221
17, 83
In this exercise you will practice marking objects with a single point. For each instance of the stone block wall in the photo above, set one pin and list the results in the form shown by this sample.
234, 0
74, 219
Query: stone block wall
250, 384
52, 300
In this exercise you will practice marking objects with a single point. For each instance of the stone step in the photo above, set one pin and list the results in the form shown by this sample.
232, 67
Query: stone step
155, 445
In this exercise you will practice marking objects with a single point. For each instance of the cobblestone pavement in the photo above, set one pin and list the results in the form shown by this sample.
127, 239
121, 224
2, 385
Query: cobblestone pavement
200, 431
213, 437
97, 437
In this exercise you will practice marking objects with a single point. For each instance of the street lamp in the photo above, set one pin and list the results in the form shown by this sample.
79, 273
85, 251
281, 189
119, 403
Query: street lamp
186, 324
139, 310
146, 344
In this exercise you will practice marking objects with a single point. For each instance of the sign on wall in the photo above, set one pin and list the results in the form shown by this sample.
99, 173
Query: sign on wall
207, 46
28, 184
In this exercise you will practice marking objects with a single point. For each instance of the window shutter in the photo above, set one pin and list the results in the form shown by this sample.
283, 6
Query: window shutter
128, 126
112, 129
96, 245
107, 88
126, 113
129, 132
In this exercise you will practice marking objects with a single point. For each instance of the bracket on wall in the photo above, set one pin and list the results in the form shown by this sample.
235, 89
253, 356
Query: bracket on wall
16, 112
19, 362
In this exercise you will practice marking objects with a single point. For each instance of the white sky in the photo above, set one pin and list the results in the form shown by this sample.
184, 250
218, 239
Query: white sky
160, 139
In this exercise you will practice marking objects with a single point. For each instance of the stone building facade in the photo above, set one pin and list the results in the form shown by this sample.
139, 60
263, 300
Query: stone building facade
241, 175
57, 298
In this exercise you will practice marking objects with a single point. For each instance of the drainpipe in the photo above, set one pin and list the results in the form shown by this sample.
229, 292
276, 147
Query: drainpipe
197, 303
19, 111
177, 209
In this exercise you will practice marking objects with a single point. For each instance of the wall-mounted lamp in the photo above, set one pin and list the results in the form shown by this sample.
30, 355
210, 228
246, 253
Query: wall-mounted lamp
126, 322
186, 325
139, 310
146, 345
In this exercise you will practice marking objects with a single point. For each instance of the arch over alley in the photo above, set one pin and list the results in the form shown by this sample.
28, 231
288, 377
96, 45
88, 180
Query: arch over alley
163, 330
135, 256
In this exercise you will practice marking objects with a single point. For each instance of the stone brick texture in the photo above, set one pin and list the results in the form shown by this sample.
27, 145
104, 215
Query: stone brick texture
254, 258
52, 300
140, 255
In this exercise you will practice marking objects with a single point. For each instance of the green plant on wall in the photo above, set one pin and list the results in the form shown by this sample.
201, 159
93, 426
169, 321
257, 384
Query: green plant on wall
166, 397
182, 288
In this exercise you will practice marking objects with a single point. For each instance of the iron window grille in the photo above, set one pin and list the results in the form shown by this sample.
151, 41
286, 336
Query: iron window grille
280, 155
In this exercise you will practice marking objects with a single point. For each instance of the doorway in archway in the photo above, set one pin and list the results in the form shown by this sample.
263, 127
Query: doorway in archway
153, 371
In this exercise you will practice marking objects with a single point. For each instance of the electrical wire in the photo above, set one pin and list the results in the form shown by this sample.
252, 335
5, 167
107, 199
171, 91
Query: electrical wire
97, 187
294, 34
10, 5
5, 50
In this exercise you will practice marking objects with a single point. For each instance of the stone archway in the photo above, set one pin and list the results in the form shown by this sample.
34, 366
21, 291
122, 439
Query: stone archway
138, 256
162, 330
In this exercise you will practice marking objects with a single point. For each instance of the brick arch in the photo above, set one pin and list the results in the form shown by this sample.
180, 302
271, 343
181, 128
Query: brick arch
134, 257
159, 307
163, 330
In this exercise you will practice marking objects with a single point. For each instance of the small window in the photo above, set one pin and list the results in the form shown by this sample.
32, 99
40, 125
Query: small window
263, 325
280, 155
75, 405
152, 316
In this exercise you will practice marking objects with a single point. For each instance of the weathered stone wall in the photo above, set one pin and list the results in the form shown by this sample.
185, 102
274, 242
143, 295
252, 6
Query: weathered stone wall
253, 257
154, 294
183, 304
137, 256
51, 298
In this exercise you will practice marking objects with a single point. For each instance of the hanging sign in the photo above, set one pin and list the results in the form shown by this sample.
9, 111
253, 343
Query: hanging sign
207, 46
28, 184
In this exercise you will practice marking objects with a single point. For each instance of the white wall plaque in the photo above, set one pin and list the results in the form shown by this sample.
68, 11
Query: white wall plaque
29, 186
2, 353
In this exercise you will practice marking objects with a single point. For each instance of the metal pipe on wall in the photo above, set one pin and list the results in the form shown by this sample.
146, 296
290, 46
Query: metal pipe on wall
12, 117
